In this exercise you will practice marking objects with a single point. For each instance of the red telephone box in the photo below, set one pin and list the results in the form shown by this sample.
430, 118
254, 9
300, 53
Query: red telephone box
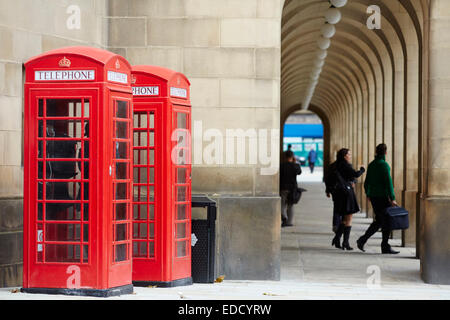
78, 173
161, 177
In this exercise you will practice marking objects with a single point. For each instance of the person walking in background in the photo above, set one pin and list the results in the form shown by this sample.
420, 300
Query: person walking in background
312, 157
344, 198
289, 170
330, 184
380, 192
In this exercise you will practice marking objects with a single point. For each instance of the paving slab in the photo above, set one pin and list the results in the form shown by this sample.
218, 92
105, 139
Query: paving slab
311, 268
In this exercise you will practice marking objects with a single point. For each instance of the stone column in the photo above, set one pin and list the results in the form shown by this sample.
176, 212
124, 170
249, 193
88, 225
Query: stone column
363, 134
435, 237
397, 149
411, 138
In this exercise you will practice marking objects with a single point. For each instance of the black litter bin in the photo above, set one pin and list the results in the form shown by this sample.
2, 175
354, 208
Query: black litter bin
203, 241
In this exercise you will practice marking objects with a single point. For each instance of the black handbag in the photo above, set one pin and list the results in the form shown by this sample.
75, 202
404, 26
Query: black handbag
342, 186
398, 218
297, 194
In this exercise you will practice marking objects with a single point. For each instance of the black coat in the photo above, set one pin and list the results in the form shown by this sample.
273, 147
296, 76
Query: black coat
288, 179
345, 202
288, 175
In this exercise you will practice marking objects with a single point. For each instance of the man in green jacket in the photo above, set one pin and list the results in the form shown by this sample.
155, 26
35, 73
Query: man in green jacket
380, 191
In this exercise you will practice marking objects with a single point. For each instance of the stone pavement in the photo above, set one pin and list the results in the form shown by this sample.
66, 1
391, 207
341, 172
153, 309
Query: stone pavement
311, 268
307, 176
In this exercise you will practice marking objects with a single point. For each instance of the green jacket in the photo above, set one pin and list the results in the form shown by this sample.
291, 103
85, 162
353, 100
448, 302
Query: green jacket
378, 179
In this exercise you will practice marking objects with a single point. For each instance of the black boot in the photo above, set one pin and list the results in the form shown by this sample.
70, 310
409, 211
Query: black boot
385, 247
337, 238
345, 243
373, 228
388, 250
360, 244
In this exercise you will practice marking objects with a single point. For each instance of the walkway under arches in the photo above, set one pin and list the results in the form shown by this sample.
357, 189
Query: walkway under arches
307, 254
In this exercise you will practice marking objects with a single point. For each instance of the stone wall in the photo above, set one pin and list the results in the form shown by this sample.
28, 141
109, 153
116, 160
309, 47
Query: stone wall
435, 246
28, 28
230, 51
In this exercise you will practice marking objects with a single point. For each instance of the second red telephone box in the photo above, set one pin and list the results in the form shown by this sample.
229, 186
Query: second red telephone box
161, 177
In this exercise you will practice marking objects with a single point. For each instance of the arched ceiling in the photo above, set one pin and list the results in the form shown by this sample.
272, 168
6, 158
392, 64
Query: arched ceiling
362, 67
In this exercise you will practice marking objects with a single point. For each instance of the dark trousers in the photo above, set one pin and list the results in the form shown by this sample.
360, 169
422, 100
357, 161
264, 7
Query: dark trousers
287, 212
379, 205
311, 166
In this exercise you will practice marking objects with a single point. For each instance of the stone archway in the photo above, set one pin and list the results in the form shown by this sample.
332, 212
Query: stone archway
372, 88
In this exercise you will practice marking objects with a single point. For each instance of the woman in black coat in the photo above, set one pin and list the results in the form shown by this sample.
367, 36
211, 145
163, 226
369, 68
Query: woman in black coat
344, 196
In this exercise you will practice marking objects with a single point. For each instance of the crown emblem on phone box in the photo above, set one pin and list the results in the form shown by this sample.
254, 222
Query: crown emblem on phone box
64, 63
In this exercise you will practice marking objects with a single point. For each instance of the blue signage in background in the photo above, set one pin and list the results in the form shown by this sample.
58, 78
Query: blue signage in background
303, 138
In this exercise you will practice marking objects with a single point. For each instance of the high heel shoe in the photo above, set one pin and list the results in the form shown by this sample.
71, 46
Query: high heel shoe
336, 243
337, 238
345, 243
346, 246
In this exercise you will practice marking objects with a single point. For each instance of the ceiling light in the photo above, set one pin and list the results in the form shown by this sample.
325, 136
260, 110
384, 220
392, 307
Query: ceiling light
338, 3
322, 54
333, 15
328, 30
323, 43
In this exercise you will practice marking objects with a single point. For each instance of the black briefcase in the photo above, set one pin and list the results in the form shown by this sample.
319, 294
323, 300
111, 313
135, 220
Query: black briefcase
398, 218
